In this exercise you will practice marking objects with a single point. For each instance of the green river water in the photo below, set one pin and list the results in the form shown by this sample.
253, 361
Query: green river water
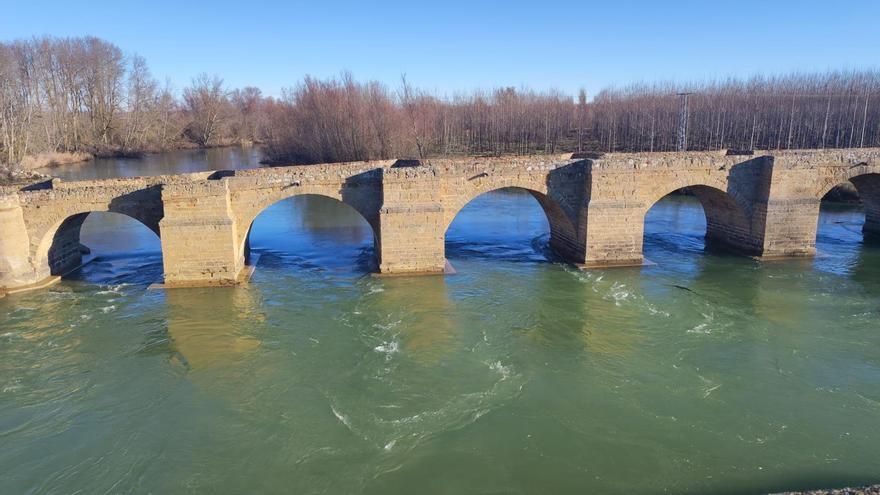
703, 373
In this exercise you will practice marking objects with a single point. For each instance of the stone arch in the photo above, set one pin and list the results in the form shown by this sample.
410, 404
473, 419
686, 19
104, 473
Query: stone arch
58, 249
563, 232
247, 214
728, 217
867, 182
856, 173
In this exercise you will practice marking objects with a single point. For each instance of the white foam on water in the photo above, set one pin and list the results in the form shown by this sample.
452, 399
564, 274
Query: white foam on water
341, 417
701, 328
657, 312
619, 293
710, 386
500, 368
388, 348
113, 289
12, 386
108, 309
387, 326
709, 390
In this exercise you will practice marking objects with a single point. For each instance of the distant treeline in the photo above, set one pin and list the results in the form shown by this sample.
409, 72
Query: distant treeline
337, 120
86, 95
823, 110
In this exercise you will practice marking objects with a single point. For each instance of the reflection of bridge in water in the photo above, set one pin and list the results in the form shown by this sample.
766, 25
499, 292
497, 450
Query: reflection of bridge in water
764, 205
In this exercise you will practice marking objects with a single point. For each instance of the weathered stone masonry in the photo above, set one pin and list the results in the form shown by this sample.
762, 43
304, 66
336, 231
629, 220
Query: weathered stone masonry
764, 205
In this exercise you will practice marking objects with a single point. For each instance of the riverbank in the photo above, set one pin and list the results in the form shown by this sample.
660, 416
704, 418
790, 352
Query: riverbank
28, 170
54, 159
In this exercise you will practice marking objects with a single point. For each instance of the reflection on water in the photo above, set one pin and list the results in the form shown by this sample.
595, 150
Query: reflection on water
704, 373
170, 162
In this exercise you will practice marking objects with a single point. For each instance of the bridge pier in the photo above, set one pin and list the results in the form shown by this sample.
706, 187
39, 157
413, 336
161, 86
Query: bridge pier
411, 222
16, 269
868, 187
199, 235
614, 233
791, 226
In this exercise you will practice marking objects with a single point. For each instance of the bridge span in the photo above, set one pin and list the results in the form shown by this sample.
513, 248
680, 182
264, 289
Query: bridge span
764, 205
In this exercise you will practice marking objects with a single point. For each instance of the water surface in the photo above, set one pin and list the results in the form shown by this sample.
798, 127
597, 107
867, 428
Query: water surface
703, 373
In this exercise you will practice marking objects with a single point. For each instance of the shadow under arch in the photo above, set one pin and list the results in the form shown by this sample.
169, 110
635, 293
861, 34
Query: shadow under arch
867, 185
728, 224
561, 228
328, 218
60, 250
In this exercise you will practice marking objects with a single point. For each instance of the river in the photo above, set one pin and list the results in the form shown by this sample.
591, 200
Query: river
701, 373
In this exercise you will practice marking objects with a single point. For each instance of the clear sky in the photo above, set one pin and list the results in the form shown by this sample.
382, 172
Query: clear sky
445, 45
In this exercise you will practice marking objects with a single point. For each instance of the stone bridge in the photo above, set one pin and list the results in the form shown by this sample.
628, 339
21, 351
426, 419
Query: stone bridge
763, 205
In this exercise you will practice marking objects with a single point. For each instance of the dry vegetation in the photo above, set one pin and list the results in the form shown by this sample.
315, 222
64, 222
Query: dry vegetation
83, 95
53, 159
797, 111
62, 98
338, 120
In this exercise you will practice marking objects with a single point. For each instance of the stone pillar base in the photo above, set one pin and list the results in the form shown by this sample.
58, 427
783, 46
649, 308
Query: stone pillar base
622, 263
411, 223
199, 236
16, 269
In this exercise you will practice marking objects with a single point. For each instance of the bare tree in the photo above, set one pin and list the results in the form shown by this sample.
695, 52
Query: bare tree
206, 104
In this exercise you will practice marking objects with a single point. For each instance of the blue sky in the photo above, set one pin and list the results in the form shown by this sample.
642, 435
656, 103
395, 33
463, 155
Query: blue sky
445, 46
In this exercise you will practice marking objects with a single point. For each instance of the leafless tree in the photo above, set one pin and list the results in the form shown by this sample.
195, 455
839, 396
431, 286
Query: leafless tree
206, 104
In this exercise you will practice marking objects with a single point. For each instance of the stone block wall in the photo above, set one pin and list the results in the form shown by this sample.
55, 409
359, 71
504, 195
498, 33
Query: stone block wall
624, 187
558, 183
15, 266
765, 205
868, 187
800, 180
358, 185
199, 235
411, 221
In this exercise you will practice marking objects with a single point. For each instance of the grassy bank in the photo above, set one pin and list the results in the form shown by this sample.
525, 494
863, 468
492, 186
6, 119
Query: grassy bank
54, 159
